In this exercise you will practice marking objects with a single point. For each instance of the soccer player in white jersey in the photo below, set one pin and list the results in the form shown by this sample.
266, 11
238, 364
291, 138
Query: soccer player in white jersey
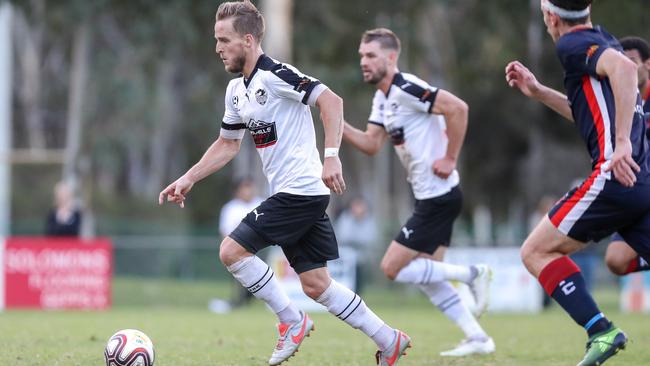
415, 115
272, 100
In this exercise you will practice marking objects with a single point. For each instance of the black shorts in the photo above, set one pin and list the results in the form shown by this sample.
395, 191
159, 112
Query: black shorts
298, 224
432, 222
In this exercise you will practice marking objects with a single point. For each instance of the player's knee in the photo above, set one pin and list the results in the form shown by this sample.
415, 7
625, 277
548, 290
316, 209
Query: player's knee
313, 288
389, 270
615, 264
230, 252
528, 254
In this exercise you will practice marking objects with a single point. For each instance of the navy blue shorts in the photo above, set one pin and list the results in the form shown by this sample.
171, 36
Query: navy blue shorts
600, 206
298, 224
432, 221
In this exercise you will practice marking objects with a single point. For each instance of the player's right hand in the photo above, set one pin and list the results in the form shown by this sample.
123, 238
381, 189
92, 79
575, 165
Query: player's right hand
176, 191
518, 76
333, 174
622, 163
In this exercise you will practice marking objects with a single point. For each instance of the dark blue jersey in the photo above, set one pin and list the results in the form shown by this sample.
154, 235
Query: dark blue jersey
646, 110
592, 100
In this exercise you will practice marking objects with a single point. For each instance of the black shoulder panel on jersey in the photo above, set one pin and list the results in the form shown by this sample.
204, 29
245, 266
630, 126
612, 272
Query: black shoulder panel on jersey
423, 94
299, 83
236, 126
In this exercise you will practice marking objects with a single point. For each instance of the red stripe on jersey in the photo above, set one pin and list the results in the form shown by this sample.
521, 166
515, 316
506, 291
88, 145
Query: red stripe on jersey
597, 115
571, 201
261, 146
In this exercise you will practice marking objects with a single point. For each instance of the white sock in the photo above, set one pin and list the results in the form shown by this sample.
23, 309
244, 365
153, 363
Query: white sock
259, 279
445, 297
422, 270
349, 307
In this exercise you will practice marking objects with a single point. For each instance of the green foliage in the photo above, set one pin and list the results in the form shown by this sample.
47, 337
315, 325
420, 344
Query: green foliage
462, 46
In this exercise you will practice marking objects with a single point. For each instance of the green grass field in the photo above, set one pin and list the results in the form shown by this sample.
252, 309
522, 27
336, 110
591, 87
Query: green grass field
175, 316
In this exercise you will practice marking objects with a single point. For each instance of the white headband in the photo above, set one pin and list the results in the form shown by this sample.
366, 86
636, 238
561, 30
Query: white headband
564, 13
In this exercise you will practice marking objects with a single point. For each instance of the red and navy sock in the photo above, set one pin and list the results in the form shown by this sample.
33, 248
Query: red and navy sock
637, 264
563, 281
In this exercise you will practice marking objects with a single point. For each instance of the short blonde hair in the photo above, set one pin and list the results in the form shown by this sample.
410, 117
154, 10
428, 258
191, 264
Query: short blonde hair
386, 38
248, 20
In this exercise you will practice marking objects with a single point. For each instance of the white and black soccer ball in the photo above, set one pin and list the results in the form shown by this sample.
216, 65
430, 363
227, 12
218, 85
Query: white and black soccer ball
129, 347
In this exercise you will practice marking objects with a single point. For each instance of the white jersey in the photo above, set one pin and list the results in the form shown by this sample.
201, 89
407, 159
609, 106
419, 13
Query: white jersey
273, 104
418, 136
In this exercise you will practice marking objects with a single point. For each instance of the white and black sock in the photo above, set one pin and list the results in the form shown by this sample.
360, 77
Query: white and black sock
422, 271
445, 297
349, 307
258, 278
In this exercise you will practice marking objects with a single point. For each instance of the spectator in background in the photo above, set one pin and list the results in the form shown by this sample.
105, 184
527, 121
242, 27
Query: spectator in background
356, 228
245, 200
64, 219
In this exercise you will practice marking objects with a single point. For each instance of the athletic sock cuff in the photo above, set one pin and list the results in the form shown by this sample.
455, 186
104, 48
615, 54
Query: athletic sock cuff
555, 272
632, 266
240, 264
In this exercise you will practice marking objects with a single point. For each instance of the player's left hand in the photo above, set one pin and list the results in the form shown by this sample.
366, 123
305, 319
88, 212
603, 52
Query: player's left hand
333, 174
622, 164
444, 167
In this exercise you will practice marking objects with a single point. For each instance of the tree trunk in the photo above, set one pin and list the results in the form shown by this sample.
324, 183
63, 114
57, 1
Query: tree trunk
168, 117
76, 97
29, 41
5, 118
77, 92
533, 169
279, 29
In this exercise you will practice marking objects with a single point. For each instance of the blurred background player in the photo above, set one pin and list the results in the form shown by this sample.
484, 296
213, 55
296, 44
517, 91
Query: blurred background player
408, 110
356, 228
244, 200
272, 100
604, 102
621, 259
64, 219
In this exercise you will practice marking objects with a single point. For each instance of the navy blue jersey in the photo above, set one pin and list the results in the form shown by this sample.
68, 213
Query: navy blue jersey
646, 111
592, 100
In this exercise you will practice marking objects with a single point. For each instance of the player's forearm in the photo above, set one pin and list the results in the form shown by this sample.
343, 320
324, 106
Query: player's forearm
359, 139
214, 158
331, 113
554, 100
456, 119
624, 86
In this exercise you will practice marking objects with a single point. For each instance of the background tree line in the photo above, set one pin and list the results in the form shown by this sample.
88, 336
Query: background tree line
123, 96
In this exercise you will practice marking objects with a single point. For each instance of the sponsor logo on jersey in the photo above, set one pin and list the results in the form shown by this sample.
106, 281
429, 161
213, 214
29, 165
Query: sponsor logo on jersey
263, 133
396, 135
261, 96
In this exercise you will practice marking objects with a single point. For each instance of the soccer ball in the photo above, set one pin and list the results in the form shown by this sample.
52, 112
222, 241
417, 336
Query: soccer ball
129, 347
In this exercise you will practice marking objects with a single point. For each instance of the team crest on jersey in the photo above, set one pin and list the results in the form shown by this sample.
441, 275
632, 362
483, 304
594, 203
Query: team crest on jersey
235, 102
263, 133
394, 106
590, 52
261, 96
